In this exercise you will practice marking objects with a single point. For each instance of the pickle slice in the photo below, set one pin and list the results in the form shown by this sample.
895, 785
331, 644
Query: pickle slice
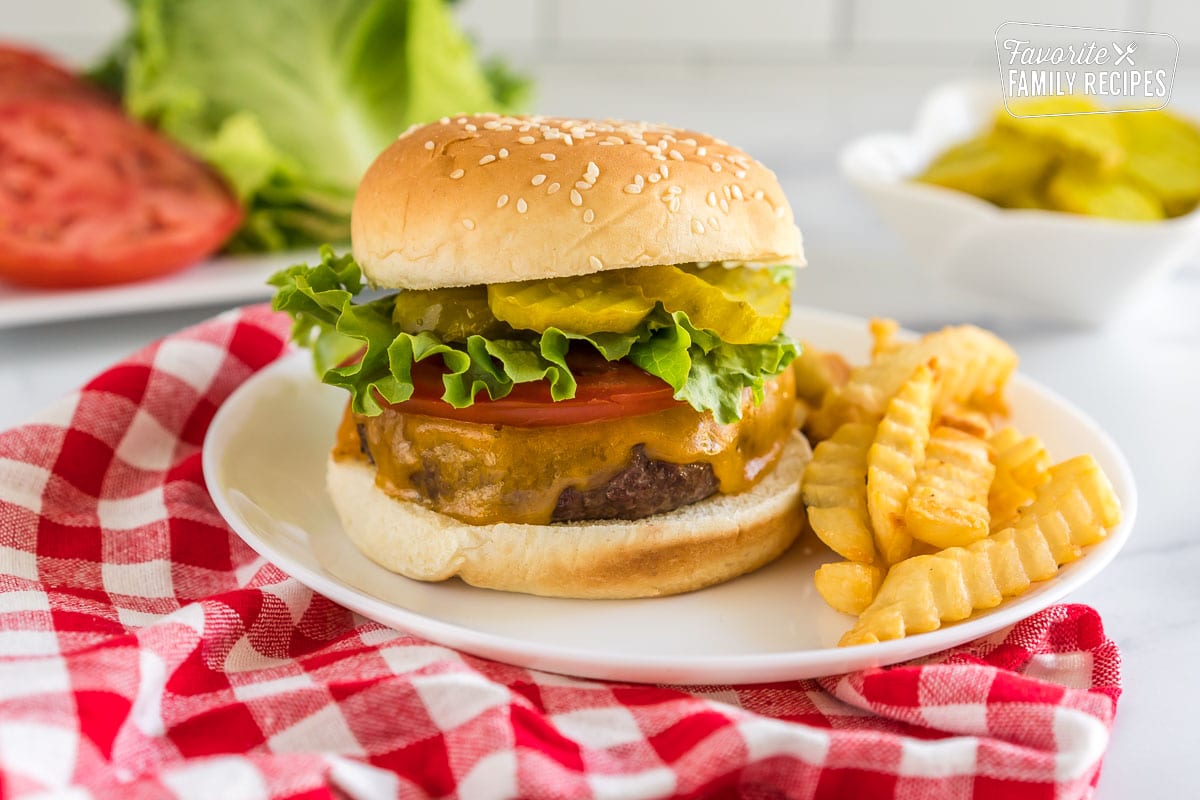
1080, 192
742, 305
1164, 158
991, 166
453, 314
1092, 140
604, 302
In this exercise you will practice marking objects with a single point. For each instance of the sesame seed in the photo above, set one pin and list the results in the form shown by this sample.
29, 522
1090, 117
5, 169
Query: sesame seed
780, 212
737, 192
547, 156
724, 205
741, 173
654, 177
662, 168
697, 226
489, 158
429, 145
502, 201
595, 262
469, 224
716, 166
522, 206
584, 185
614, 140
674, 205
458, 173
461, 120
659, 157
675, 190
714, 223
552, 188
711, 199
605, 144
444, 120
504, 152
593, 170
567, 138
678, 156
538, 179
758, 194
633, 188
701, 151
470, 127
589, 215
526, 140
491, 125
576, 198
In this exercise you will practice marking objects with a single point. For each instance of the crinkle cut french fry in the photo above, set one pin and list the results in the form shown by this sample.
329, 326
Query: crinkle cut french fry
1074, 509
883, 336
893, 460
1021, 467
975, 423
817, 372
848, 586
834, 488
973, 364
948, 505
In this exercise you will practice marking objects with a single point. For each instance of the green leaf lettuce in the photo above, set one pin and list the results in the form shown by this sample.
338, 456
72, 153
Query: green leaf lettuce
706, 372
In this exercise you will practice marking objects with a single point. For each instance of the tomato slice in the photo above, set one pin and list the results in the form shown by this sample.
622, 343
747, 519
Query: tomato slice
606, 390
26, 74
89, 197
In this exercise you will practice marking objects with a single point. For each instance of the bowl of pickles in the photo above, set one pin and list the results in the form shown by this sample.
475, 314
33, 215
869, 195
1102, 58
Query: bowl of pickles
1051, 209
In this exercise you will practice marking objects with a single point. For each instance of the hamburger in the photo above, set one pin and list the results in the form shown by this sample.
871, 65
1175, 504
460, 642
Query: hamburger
563, 344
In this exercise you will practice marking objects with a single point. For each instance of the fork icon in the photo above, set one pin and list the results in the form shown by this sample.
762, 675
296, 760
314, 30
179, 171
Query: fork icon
1124, 53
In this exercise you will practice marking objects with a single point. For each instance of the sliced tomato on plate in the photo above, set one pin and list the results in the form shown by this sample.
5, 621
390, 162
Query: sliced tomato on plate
606, 390
89, 197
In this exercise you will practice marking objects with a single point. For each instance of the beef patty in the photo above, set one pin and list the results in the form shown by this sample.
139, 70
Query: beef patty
644, 487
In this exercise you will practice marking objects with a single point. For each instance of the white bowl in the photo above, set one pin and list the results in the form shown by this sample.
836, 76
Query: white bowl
1024, 264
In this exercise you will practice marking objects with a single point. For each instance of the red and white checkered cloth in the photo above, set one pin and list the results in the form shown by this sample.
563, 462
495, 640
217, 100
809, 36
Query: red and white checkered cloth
146, 652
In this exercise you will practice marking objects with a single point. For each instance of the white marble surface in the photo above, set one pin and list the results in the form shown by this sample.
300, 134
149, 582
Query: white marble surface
1139, 378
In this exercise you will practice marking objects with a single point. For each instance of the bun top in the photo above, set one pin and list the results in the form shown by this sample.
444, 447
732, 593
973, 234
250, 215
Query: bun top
489, 199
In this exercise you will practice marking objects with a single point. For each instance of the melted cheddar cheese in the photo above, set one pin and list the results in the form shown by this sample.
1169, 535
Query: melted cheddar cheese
484, 474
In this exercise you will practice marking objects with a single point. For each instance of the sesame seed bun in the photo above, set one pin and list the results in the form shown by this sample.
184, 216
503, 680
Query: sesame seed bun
694, 546
490, 199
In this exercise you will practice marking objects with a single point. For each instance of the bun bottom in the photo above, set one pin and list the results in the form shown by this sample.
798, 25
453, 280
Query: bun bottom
689, 548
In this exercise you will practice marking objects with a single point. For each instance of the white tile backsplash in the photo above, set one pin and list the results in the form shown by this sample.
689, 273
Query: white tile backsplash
954, 22
714, 25
76, 30
501, 24
690, 32
1181, 20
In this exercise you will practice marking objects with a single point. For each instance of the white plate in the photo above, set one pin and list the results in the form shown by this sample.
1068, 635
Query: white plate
227, 279
264, 461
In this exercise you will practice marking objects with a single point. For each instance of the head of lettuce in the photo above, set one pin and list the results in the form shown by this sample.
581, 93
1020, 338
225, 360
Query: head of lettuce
291, 101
